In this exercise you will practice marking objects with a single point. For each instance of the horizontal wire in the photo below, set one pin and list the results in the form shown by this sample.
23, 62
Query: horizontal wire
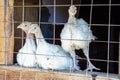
57, 23
79, 58
100, 41
63, 5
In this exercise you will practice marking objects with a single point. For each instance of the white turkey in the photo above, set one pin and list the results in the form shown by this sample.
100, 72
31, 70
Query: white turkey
26, 55
50, 56
76, 35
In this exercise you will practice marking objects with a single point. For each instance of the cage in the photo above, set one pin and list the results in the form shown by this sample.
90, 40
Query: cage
101, 15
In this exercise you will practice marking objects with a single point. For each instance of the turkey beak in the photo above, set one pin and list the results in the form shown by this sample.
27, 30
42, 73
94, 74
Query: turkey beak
18, 27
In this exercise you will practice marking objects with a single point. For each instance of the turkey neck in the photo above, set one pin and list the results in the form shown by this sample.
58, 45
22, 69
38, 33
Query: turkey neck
39, 37
71, 19
29, 38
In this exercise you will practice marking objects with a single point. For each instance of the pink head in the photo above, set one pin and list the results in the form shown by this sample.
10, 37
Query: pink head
25, 27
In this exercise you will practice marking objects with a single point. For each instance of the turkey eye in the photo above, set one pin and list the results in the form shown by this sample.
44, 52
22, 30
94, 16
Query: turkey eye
25, 25
47, 58
34, 27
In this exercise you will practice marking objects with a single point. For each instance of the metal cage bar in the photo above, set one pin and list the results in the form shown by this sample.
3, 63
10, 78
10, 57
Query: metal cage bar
54, 23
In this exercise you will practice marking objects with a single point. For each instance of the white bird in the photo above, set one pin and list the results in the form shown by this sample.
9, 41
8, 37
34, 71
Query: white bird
26, 55
50, 56
79, 35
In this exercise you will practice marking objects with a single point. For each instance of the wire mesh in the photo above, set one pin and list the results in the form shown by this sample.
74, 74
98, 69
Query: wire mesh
58, 18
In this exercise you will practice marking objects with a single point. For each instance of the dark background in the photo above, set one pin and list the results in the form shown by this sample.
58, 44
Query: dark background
105, 24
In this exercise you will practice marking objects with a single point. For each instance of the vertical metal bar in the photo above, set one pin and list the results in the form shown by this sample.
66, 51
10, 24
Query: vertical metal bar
39, 14
5, 33
71, 2
23, 13
54, 24
12, 24
78, 10
40, 2
23, 10
70, 71
23, 18
90, 22
119, 54
108, 39
91, 9
54, 21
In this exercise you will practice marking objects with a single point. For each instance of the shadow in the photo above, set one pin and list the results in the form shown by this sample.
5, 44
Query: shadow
47, 29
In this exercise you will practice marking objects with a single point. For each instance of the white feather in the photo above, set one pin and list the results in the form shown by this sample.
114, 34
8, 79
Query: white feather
50, 56
26, 55
79, 34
